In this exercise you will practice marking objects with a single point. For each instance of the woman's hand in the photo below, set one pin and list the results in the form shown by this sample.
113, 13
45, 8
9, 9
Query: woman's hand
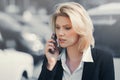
51, 57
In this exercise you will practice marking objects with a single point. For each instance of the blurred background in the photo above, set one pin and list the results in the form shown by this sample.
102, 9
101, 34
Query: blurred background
24, 29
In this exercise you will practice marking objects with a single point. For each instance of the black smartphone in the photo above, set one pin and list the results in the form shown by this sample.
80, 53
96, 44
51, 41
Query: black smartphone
57, 47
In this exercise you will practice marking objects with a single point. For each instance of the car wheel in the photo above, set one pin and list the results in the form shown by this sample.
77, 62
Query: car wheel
24, 76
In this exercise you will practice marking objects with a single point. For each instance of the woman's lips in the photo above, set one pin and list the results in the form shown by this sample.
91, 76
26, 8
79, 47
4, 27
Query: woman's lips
62, 40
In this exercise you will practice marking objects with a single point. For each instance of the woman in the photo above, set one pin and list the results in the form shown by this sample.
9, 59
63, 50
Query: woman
78, 60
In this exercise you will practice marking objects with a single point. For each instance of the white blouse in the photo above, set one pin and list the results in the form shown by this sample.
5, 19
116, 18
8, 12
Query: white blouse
77, 74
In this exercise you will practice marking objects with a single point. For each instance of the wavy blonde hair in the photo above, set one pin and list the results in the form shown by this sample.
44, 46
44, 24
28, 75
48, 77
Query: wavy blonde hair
80, 20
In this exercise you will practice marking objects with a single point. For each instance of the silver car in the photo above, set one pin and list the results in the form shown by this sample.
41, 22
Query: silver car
14, 65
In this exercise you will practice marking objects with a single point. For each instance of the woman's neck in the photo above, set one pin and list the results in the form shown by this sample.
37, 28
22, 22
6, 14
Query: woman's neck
73, 58
73, 53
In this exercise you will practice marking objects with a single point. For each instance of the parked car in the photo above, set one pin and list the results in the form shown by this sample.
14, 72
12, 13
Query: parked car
20, 37
32, 44
106, 20
15, 65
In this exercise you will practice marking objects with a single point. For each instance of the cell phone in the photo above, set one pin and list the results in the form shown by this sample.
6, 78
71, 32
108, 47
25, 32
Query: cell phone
57, 46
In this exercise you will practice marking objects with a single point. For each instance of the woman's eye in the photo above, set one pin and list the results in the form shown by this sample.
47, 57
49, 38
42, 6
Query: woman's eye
68, 28
57, 27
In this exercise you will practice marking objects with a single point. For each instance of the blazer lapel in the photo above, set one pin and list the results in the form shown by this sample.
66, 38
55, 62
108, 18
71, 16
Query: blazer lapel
88, 71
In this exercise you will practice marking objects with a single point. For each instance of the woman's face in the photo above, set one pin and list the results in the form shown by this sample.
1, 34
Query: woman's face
66, 35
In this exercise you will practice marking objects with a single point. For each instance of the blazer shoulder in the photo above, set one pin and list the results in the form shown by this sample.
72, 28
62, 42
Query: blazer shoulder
98, 53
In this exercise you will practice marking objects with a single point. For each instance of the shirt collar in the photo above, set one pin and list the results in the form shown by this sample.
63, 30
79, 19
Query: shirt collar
87, 56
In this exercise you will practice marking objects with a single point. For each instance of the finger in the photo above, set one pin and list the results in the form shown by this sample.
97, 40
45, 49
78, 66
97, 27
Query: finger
51, 41
51, 44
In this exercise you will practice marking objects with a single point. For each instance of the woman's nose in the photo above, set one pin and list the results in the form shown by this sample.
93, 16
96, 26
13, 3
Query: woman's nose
61, 32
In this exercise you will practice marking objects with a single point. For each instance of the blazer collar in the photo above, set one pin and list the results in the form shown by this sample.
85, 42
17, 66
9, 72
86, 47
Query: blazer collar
88, 68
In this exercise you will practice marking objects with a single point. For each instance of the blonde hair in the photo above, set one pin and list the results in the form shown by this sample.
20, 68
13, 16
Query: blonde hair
80, 20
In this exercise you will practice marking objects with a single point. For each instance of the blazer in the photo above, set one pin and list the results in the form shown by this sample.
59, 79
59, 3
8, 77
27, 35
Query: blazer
101, 69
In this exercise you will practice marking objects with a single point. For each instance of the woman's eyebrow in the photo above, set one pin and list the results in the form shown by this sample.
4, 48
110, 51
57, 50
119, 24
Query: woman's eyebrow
68, 25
